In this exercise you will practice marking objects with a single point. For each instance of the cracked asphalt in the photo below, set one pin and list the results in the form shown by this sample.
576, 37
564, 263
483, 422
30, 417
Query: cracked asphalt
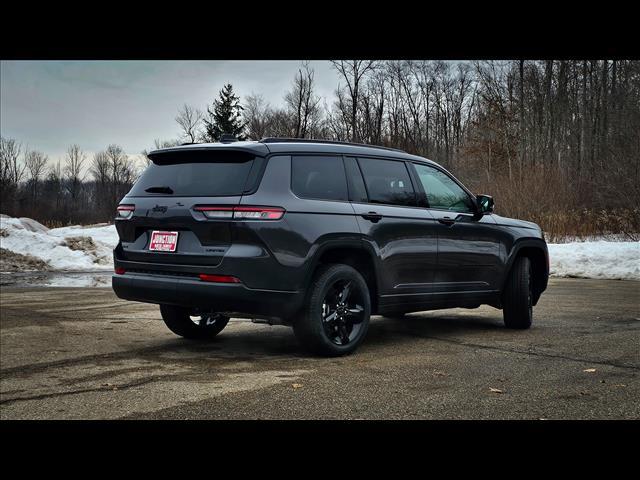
81, 353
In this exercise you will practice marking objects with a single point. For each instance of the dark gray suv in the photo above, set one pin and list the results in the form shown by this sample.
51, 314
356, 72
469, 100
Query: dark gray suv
319, 236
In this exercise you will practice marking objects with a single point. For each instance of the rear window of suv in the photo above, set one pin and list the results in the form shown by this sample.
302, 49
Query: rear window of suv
196, 173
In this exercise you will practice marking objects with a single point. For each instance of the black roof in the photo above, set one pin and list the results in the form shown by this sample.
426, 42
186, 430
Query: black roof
300, 146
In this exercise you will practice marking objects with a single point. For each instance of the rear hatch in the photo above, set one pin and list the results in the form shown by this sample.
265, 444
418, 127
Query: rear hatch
166, 197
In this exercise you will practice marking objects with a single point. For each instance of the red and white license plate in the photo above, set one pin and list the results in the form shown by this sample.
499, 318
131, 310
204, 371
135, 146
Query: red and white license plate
163, 241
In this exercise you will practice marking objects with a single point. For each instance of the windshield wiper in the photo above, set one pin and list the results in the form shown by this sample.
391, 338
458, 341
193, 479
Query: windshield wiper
168, 190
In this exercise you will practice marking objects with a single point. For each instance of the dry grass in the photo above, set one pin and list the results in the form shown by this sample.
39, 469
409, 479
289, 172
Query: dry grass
609, 224
553, 202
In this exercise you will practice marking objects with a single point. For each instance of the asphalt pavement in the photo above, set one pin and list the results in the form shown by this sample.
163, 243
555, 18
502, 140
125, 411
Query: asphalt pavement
68, 353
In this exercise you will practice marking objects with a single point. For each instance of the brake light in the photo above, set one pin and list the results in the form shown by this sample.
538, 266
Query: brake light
125, 212
218, 278
120, 270
241, 212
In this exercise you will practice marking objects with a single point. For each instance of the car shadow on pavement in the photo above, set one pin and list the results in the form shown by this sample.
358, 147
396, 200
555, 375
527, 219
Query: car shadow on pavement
274, 342
389, 330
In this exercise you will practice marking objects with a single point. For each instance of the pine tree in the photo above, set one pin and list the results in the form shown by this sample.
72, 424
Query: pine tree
226, 117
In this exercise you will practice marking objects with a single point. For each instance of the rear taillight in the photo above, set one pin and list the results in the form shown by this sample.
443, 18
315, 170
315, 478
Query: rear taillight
241, 212
215, 212
120, 270
218, 278
125, 212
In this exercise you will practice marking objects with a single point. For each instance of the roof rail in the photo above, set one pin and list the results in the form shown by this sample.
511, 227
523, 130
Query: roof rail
311, 140
189, 143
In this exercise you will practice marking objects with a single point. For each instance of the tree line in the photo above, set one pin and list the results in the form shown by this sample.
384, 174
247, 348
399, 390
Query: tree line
555, 141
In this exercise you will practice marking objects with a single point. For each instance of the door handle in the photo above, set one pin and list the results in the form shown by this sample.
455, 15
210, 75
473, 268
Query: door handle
371, 216
447, 221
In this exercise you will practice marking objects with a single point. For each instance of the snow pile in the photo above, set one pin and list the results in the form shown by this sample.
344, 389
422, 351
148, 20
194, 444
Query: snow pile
60, 248
597, 259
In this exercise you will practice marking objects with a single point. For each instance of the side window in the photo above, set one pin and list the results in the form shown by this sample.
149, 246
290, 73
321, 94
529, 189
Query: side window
320, 177
442, 191
387, 182
357, 190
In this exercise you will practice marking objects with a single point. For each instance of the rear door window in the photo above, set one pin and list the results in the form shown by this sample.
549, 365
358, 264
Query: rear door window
387, 182
195, 174
318, 177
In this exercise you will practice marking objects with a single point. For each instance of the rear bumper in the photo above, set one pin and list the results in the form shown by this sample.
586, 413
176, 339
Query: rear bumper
192, 292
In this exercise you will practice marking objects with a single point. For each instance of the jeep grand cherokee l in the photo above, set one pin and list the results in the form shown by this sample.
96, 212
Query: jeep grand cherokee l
319, 236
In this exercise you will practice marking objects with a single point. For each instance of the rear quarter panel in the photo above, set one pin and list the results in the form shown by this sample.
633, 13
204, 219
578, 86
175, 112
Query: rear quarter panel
307, 226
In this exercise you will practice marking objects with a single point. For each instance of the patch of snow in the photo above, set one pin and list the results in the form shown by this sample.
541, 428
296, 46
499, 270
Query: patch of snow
100, 233
32, 226
28, 237
596, 259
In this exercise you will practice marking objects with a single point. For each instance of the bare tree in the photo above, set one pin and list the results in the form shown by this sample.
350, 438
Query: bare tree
280, 123
11, 172
100, 168
114, 173
35, 162
53, 188
353, 71
74, 161
301, 101
189, 119
257, 115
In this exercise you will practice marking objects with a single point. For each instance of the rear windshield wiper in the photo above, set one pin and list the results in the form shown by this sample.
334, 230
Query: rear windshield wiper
168, 190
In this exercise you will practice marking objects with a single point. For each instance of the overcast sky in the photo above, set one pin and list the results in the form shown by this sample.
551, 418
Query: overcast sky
49, 105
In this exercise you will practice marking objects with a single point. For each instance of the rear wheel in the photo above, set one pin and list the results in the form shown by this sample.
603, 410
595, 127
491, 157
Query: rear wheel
518, 296
193, 324
336, 317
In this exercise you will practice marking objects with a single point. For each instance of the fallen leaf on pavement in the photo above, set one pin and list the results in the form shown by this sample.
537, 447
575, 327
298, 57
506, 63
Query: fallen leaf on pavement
495, 390
589, 370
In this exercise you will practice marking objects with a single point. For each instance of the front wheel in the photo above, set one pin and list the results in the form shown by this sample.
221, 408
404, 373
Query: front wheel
336, 316
518, 296
193, 324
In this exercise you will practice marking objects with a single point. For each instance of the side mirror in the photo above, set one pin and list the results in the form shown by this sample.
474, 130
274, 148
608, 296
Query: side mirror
485, 204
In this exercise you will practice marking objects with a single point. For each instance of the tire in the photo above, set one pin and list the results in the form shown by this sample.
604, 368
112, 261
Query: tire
517, 300
179, 321
326, 326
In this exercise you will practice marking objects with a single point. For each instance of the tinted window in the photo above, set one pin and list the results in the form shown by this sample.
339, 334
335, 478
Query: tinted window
318, 177
442, 191
387, 182
357, 191
196, 175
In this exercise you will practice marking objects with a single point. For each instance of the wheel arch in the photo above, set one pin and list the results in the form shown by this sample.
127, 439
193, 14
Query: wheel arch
537, 253
354, 253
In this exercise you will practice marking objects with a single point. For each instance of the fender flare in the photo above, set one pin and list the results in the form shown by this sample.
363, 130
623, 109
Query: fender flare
537, 243
355, 243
